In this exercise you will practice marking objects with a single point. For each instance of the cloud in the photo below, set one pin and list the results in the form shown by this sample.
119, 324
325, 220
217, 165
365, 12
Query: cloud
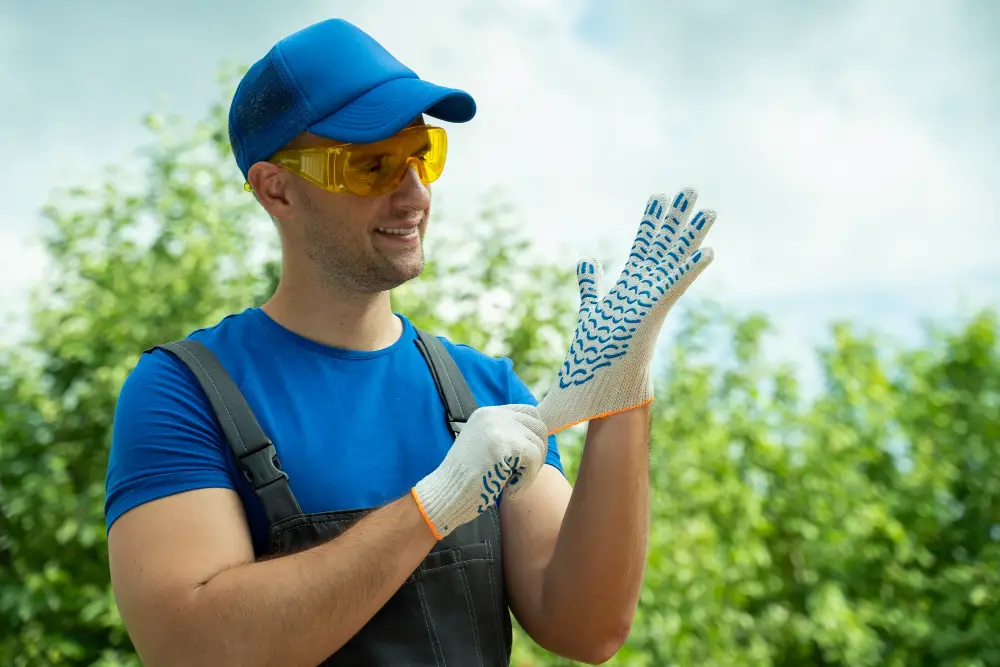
850, 148
852, 192
821, 134
823, 170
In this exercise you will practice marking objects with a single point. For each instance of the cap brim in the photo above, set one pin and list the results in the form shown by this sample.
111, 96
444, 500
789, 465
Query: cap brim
388, 108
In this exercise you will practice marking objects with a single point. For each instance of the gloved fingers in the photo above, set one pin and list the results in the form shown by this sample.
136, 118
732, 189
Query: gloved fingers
687, 242
681, 207
672, 241
646, 233
517, 479
525, 465
520, 465
696, 230
673, 284
528, 417
678, 212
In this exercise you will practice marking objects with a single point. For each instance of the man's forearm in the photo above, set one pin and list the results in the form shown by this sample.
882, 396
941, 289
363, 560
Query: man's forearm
298, 609
592, 584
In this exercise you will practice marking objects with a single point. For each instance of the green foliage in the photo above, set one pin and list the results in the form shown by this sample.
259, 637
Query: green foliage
130, 268
855, 528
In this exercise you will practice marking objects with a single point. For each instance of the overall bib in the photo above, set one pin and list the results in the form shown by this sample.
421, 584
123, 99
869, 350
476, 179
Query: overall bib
452, 610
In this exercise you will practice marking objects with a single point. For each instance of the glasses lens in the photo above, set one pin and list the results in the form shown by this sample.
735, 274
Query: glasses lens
311, 164
438, 149
373, 169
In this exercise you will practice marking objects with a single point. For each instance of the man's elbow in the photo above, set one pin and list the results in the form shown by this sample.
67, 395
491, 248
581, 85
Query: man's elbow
593, 646
606, 646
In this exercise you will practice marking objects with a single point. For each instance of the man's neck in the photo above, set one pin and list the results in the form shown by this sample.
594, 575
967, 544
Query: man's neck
352, 322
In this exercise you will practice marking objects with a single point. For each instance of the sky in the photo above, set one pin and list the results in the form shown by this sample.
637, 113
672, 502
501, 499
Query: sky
850, 149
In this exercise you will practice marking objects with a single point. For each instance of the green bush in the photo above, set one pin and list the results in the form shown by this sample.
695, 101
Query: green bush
857, 528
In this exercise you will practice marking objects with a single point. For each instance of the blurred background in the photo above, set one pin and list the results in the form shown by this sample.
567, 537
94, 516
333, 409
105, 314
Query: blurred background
826, 435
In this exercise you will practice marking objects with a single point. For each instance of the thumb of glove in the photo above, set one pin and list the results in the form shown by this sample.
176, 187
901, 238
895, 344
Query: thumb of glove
589, 274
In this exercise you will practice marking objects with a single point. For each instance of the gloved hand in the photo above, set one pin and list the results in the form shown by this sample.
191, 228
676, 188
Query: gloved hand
607, 367
499, 447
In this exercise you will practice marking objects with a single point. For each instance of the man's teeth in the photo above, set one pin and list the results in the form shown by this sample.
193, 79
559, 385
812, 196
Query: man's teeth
399, 232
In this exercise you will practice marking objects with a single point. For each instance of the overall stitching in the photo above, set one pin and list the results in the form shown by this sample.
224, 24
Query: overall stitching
236, 427
472, 612
429, 624
451, 386
498, 608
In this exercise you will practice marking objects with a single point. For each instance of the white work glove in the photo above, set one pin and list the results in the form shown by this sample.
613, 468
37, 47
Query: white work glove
607, 367
499, 447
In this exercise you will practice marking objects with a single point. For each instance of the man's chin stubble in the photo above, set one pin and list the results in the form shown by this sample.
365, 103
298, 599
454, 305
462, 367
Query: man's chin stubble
388, 276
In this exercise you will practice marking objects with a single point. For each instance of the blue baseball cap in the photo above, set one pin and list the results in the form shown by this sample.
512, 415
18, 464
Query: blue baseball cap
334, 80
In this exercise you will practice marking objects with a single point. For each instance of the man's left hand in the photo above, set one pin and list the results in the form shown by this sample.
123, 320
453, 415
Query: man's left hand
607, 368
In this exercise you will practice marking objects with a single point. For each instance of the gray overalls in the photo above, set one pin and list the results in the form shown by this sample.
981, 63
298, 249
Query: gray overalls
452, 610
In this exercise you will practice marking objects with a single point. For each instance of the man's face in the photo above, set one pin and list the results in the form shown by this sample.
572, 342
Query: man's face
363, 244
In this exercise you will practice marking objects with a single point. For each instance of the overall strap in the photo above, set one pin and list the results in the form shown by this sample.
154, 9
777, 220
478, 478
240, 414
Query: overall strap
255, 453
451, 385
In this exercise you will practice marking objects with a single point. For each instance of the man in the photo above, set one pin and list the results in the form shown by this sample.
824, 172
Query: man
303, 483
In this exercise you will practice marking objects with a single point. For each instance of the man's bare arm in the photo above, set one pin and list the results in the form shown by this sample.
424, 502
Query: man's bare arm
575, 557
191, 594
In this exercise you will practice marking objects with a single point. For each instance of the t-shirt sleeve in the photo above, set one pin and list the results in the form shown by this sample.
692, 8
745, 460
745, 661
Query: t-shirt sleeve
165, 439
520, 393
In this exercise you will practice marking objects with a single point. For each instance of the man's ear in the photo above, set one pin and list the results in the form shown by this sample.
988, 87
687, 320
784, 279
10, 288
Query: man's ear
272, 189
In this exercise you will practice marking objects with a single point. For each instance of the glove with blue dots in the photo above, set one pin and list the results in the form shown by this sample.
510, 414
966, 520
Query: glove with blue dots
607, 367
500, 450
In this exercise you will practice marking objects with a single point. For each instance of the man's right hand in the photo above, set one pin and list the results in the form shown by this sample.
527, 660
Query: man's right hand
499, 447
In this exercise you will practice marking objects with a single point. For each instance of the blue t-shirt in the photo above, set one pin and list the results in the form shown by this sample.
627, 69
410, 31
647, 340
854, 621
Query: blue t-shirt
352, 429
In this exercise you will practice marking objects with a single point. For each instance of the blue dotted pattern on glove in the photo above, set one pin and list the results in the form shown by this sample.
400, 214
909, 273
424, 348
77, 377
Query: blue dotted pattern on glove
654, 265
493, 480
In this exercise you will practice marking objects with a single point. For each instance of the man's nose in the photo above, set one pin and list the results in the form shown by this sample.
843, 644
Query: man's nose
411, 191
417, 165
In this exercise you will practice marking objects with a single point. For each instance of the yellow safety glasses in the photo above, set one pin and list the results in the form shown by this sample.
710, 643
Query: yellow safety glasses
370, 169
